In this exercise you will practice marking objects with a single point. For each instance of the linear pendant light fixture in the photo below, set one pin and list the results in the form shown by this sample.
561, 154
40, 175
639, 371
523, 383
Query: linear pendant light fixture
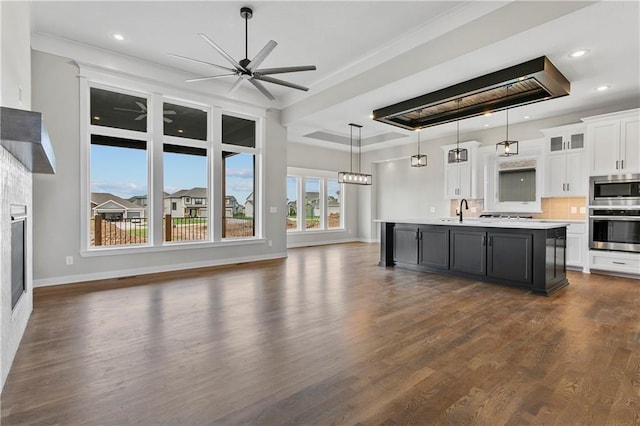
352, 177
458, 155
507, 148
418, 160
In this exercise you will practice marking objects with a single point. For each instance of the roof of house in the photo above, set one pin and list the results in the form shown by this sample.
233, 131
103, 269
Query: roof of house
195, 192
98, 198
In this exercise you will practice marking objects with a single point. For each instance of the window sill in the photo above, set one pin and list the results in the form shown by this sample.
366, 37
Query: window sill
120, 250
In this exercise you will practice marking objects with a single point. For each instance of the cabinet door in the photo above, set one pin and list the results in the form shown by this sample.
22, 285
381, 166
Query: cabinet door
605, 148
510, 256
630, 146
574, 250
465, 180
555, 258
452, 181
405, 244
575, 141
433, 247
468, 251
556, 143
575, 176
556, 175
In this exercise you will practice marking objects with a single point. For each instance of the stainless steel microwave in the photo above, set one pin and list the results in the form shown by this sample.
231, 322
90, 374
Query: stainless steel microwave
615, 190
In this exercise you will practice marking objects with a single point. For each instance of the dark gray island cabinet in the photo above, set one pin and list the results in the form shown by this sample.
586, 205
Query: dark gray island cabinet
524, 254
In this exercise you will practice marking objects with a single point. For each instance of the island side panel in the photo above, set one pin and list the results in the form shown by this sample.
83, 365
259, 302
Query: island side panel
386, 244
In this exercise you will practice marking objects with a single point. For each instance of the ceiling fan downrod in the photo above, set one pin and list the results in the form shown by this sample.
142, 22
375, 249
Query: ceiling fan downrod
246, 13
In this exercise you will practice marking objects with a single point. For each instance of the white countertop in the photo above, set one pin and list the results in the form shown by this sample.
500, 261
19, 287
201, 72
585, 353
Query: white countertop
483, 223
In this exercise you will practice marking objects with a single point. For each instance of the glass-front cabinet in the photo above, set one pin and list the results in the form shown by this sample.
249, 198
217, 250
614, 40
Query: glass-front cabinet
565, 155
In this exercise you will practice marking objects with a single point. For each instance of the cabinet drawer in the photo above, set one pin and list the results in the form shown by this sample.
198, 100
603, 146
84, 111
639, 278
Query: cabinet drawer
577, 228
617, 262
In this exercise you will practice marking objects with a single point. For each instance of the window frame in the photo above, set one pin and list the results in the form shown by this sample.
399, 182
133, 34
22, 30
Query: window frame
155, 139
323, 175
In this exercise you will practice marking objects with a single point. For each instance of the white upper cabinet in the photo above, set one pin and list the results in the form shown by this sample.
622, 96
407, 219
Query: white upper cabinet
613, 142
464, 179
565, 172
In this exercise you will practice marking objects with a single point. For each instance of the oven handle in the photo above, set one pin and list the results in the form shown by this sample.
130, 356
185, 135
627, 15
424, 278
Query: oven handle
627, 218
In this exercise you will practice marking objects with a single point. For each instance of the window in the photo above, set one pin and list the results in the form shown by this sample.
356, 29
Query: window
118, 169
313, 203
239, 171
124, 148
292, 203
517, 185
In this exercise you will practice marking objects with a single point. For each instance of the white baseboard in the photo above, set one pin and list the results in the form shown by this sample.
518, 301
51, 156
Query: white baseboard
321, 243
69, 279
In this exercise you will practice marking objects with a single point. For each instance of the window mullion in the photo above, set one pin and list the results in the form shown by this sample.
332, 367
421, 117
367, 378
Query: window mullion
156, 171
215, 175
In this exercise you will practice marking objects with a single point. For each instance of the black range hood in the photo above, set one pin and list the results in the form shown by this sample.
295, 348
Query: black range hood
532, 81
23, 134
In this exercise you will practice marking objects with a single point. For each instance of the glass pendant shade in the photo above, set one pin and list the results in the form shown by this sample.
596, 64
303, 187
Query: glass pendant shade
418, 160
356, 178
507, 148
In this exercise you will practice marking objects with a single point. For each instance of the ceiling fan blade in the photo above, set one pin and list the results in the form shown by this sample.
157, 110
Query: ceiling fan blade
280, 82
127, 110
261, 56
281, 70
200, 62
261, 88
191, 80
167, 120
169, 112
222, 52
140, 117
235, 86
143, 107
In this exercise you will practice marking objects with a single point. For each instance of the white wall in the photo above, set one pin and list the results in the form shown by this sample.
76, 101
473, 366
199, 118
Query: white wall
57, 198
15, 180
317, 158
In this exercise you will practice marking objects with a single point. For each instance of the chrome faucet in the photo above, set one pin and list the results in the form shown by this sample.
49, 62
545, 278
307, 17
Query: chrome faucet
466, 206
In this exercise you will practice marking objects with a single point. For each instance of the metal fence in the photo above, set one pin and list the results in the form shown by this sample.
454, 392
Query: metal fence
131, 231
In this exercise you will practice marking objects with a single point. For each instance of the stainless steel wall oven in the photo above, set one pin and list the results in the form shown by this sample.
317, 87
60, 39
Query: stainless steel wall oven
614, 229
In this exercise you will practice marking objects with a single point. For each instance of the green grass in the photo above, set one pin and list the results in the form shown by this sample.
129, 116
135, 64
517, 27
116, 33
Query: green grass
139, 232
188, 220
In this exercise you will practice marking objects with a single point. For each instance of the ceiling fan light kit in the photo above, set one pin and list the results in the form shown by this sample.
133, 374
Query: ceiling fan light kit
357, 178
247, 69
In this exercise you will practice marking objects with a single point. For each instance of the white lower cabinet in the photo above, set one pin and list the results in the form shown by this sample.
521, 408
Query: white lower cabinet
615, 261
576, 244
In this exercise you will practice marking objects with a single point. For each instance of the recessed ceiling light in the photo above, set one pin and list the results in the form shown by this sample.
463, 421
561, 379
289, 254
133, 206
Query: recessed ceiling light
603, 88
487, 114
371, 116
526, 117
118, 37
578, 53
486, 125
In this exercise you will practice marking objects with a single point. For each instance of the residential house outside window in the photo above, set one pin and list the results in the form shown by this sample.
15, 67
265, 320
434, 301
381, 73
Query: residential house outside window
314, 203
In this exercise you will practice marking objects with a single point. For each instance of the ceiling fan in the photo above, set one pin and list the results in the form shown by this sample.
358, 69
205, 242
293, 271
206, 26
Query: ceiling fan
246, 69
143, 112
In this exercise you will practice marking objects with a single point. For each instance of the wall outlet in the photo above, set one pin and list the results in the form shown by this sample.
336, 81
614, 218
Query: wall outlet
583, 210
69, 260
273, 209
574, 210
270, 243
432, 209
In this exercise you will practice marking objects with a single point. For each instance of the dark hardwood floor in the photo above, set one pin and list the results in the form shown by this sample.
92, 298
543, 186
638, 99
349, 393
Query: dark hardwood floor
327, 337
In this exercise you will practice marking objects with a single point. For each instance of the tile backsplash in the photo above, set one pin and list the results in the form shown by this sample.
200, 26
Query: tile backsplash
565, 208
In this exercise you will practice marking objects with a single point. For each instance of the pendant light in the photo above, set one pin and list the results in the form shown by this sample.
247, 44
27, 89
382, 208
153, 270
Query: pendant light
507, 148
458, 155
418, 160
356, 178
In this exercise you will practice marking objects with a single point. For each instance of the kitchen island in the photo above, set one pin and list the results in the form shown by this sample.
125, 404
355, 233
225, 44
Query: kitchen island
522, 253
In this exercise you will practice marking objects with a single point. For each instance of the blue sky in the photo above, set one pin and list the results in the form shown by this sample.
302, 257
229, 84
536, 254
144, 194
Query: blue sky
123, 172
